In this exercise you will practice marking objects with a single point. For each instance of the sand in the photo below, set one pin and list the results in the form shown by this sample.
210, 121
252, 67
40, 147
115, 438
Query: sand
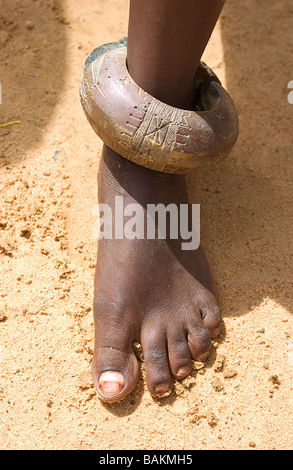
242, 397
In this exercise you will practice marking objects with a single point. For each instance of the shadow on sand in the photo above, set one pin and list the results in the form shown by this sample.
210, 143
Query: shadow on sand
33, 56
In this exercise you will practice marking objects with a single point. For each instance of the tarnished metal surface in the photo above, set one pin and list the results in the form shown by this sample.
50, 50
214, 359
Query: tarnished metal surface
151, 133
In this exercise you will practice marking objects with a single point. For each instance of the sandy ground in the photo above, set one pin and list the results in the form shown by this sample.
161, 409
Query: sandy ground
242, 397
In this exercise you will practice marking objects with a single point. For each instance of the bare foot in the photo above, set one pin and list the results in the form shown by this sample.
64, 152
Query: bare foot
149, 291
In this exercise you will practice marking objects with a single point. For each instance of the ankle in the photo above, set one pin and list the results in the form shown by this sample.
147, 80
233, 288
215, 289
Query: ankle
118, 175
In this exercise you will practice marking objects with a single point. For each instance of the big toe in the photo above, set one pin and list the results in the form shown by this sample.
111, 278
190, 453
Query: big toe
115, 368
115, 372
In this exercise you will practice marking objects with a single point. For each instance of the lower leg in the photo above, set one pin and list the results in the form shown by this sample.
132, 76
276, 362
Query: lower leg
149, 290
166, 40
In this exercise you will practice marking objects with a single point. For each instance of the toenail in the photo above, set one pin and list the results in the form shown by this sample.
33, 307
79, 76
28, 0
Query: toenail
183, 372
111, 383
162, 389
203, 357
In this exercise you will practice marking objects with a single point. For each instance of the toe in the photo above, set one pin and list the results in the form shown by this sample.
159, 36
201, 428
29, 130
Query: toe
115, 369
199, 341
211, 317
115, 372
179, 354
158, 376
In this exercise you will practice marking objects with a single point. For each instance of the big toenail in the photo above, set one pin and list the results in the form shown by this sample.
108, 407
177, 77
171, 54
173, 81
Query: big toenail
162, 389
111, 383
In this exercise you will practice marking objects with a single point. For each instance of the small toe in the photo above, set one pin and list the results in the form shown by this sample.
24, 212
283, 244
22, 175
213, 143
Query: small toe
158, 376
179, 355
211, 317
199, 341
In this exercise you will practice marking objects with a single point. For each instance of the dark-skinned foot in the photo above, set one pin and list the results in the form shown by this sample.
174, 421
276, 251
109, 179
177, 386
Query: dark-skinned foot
148, 291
